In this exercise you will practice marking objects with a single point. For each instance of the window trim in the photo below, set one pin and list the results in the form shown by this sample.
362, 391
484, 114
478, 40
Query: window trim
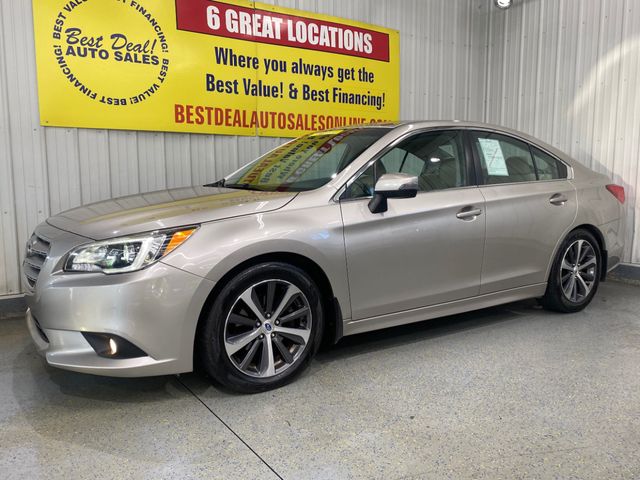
471, 177
478, 165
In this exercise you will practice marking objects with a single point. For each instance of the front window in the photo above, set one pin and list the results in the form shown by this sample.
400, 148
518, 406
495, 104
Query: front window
306, 163
436, 158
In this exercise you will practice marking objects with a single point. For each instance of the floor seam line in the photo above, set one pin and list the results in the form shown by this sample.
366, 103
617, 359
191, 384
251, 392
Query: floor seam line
230, 429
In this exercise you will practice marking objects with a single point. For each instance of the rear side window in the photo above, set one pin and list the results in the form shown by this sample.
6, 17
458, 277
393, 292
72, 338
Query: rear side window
504, 159
548, 168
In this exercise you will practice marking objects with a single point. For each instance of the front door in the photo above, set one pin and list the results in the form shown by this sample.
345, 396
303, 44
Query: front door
422, 251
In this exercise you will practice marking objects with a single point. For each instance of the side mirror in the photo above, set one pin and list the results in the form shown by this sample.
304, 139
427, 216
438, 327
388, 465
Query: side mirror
392, 185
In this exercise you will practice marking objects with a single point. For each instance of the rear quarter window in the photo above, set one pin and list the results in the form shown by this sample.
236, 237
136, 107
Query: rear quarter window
548, 167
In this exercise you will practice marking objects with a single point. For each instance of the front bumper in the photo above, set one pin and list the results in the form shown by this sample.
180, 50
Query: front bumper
156, 309
69, 350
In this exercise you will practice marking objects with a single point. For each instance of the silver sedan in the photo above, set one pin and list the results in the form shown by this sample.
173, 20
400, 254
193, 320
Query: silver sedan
332, 234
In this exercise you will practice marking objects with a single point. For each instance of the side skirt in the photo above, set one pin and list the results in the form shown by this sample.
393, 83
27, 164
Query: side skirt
443, 309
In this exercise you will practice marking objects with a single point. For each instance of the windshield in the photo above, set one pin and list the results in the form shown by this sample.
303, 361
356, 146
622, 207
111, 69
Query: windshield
306, 163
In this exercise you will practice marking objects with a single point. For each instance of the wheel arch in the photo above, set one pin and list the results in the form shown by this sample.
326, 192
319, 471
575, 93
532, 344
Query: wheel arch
331, 306
595, 231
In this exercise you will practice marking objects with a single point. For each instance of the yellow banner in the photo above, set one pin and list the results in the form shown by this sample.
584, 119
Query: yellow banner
202, 66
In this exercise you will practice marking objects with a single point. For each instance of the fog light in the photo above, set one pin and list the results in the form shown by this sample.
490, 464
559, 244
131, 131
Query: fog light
107, 345
113, 346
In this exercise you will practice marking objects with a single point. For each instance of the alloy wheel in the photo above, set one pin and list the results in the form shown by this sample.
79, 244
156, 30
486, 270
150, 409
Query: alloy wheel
578, 271
267, 328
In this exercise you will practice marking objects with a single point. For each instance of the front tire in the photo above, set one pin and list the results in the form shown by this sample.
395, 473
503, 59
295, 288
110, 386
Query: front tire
575, 274
263, 328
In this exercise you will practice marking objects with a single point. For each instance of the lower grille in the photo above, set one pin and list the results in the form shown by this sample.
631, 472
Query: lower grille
36, 254
40, 330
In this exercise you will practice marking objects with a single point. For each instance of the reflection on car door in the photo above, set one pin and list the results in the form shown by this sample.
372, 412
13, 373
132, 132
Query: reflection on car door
424, 250
530, 205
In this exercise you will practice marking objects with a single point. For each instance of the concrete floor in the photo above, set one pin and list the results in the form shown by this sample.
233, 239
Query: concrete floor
509, 392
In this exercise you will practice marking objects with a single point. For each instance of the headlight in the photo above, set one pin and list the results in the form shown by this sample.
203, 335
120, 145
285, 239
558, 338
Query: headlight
126, 254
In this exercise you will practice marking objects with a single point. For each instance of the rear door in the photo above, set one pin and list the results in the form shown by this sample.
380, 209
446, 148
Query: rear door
423, 250
530, 205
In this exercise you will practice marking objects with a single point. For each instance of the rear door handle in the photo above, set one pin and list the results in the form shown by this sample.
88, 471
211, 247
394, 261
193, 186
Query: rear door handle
558, 199
468, 213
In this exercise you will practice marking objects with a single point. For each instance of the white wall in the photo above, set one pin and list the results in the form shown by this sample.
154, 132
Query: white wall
567, 72
563, 71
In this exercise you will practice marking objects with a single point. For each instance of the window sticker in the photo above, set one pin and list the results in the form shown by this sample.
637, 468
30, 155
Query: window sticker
493, 157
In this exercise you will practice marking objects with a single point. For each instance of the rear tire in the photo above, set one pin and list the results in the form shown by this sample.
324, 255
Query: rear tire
263, 328
575, 274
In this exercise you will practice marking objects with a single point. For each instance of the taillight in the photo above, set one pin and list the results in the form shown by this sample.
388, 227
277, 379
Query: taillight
617, 191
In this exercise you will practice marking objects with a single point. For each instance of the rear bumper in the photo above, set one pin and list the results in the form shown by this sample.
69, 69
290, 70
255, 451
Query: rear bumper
613, 233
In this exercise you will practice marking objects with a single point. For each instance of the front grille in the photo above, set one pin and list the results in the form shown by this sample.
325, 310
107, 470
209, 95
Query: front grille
37, 251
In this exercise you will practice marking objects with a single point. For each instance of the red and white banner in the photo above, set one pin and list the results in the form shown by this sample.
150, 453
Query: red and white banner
264, 26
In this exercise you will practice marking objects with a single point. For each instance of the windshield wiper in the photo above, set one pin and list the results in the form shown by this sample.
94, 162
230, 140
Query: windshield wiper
219, 183
242, 186
238, 186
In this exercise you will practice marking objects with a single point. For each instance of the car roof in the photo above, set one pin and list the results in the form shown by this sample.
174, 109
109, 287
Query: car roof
422, 124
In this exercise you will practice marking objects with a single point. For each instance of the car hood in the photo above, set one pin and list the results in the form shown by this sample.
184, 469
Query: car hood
165, 209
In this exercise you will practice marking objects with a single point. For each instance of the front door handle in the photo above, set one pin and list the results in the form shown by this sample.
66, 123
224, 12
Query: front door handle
468, 213
558, 199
